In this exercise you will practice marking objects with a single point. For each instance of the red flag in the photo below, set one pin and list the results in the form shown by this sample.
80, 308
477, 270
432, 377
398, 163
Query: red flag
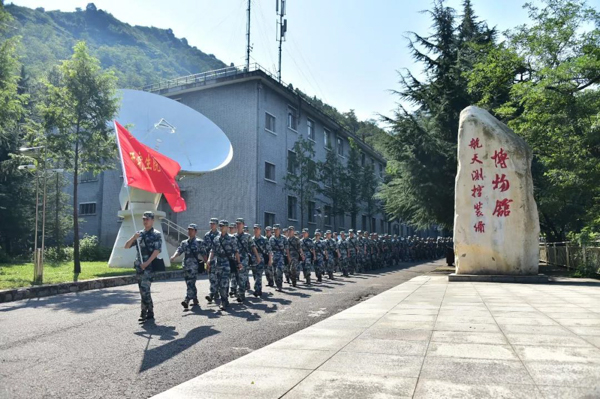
146, 169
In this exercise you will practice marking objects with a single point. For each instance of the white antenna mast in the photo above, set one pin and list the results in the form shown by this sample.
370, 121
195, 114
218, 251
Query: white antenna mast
248, 48
281, 30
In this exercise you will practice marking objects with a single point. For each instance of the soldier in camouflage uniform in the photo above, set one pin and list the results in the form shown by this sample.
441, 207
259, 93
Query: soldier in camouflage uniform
280, 250
344, 253
233, 276
225, 251
296, 255
286, 263
321, 252
210, 269
264, 252
332, 254
353, 248
194, 253
367, 240
149, 246
269, 268
360, 256
308, 248
247, 248
336, 260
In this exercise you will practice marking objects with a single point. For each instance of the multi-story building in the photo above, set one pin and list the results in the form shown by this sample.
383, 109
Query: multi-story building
263, 119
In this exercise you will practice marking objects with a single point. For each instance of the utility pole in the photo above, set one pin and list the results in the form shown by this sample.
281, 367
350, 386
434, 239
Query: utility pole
281, 30
248, 37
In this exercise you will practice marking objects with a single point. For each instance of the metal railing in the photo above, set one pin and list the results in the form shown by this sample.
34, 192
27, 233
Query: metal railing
173, 230
207, 76
571, 255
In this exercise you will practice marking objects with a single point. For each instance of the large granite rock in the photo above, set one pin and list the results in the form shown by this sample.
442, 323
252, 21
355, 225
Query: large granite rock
496, 225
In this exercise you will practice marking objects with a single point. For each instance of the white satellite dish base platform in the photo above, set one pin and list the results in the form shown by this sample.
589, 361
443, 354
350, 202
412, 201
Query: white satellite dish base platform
141, 201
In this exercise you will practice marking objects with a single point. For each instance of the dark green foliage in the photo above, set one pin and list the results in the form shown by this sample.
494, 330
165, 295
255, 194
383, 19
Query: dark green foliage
422, 148
332, 176
300, 182
91, 250
137, 55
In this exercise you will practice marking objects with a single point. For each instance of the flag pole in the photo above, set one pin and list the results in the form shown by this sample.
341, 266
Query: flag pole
128, 189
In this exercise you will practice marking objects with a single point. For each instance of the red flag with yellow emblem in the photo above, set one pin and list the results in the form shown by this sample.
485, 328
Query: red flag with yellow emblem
148, 170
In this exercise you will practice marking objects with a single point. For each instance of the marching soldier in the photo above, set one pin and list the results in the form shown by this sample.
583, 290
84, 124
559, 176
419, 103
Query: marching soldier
246, 247
279, 248
233, 277
264, 250
322, 258
296, 255
225, 251
332, 253
286, 263
208, 244
309, 254
194, 253
344, 253
269, 270
148, 248
353, 249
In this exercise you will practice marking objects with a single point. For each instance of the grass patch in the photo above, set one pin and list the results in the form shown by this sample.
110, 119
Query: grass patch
21, 274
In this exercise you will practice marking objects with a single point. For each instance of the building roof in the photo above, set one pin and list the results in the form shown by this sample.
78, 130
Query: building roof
232, 74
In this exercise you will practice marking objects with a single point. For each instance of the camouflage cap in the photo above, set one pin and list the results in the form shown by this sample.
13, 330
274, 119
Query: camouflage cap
192, 226
291, 228
305, 230
328, 232
317, 231
223, 223
214, 220
257, 226
268, 228
148, 215
351, 231
245, 228
239, 220
342, 232
359, 231
285, 229
276, 227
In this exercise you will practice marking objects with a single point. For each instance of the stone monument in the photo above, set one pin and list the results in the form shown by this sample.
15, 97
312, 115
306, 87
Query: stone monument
496, 225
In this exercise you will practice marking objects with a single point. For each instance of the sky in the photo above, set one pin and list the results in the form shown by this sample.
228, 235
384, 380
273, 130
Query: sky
346, 52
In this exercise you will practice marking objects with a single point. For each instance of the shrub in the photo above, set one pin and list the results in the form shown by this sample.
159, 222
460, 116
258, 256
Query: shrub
90, 249
57, 255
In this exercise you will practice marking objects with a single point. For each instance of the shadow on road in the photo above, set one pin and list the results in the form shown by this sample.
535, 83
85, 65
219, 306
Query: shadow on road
155, 356
80, 302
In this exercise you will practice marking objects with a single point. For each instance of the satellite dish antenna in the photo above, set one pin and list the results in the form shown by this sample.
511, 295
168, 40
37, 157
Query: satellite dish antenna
177, 131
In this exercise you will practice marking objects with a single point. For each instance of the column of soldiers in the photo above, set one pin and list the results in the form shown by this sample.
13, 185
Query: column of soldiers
229, 253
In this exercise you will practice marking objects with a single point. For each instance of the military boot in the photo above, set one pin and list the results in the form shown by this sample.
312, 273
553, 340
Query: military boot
308, 280
331, 275
185, 303
209, 298
143, 315
150, 316
224, 305
196, 303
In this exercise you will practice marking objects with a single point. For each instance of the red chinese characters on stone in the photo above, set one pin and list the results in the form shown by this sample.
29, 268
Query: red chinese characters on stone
502, 207
477, 175
501, 183
475, 143
475, 159
478, 206
479, 227
500, 158
476, 191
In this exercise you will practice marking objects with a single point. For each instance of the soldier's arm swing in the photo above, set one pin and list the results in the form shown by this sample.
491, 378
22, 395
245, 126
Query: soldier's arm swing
150, 259
130, 242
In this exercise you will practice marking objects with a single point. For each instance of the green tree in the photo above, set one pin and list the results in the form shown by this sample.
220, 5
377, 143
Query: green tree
421, 150
16, 206
301, 174
331, 174
77, 111
548, 74
368, 188
352, 180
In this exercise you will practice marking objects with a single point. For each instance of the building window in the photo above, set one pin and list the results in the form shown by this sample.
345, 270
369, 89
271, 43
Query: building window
269, 171
291, 162
340, 146
364, 223
373, 225
363, 159
310, 129
292, 119
292, 208
381, 226
312, 171
270, 123
380, 170
87, 209
328, 215
341, 220
87, 177
269, 219
327, 139
312, 217
389, 228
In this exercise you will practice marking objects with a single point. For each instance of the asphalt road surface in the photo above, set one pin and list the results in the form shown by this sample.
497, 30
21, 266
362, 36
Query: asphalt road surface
90, 345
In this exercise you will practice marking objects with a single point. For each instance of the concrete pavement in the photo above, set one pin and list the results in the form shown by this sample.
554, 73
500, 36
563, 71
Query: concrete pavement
428, 338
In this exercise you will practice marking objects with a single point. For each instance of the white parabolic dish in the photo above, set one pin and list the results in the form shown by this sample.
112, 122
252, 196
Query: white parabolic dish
175, 130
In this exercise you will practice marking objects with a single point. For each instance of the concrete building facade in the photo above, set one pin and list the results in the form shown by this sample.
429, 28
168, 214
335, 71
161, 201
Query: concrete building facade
263, 119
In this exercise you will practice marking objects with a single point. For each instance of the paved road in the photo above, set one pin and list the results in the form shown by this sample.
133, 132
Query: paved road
90, 344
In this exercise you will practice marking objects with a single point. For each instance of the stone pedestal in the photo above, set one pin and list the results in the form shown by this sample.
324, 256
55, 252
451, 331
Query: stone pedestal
496, 226
139, 202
